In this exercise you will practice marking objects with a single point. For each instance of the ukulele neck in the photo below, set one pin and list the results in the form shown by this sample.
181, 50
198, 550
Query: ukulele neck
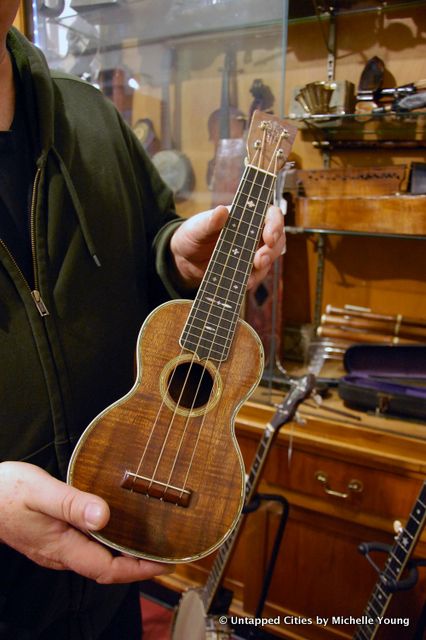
212, 321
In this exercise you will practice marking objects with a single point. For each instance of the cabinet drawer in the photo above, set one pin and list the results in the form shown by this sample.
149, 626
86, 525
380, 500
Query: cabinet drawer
374, 491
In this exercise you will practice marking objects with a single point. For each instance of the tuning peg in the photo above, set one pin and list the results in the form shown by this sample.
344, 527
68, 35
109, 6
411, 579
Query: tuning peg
397, 527
299, 420
317, 398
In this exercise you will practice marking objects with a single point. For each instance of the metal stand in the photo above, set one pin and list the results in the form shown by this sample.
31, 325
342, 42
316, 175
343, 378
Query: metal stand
393, 586
254, 505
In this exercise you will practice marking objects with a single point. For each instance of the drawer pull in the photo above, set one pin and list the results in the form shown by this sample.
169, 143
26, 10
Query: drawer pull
354, 486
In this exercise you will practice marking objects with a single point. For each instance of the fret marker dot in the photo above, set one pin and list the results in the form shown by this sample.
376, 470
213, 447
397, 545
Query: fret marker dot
235, 252
250, 204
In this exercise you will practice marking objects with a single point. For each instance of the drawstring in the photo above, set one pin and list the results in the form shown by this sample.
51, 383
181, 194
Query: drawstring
78, 208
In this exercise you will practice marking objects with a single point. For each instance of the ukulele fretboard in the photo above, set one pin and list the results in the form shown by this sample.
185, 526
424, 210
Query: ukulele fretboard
211, 324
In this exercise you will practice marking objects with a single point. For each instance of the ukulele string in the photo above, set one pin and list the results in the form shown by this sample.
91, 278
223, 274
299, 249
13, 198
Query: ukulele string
202, 425
253, 251
209, 354
178, 402
193, 360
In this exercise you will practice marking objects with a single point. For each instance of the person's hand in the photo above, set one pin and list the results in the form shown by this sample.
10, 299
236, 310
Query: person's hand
193, 242
43, 519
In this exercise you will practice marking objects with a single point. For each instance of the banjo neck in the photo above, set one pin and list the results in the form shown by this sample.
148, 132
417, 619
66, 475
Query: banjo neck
299, 391
398, 558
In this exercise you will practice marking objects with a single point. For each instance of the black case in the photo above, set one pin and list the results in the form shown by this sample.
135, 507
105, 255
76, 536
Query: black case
386, 379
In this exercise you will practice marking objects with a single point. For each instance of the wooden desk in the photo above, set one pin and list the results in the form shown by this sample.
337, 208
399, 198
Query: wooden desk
319, 571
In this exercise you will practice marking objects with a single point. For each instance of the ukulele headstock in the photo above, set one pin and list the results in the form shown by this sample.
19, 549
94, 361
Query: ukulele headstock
269, 142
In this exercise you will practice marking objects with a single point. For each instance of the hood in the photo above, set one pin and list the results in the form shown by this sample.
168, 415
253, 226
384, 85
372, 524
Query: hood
40, 100
35, 77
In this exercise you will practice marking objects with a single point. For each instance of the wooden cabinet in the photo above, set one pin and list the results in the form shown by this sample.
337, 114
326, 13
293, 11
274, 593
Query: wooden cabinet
320, 571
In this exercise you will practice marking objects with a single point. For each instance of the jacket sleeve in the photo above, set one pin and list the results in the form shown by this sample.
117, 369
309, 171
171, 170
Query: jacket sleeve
160, 221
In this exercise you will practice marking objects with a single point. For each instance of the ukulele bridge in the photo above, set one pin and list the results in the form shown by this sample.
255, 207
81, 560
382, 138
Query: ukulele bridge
156, 489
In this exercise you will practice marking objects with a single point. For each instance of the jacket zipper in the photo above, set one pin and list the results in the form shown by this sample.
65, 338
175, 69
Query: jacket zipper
35, 294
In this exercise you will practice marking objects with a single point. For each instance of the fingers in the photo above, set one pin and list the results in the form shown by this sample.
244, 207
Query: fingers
208, 224
274, 245
63, 502
90, 559
273, 230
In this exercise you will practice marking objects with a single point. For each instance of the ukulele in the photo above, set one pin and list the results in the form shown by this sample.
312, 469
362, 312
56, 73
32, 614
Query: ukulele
193, 617
165, 456
399, 555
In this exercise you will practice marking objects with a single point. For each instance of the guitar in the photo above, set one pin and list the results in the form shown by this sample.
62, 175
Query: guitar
165, 456
399, 555
193, 617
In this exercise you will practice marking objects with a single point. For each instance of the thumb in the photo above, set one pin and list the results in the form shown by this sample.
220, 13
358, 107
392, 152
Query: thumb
208, 224
64, 502
218, 218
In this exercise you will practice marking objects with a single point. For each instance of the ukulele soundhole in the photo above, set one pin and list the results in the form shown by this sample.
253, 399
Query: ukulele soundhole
190, 388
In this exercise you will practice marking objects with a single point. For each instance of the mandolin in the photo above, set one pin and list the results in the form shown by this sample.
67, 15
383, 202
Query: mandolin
165, 456
193, 618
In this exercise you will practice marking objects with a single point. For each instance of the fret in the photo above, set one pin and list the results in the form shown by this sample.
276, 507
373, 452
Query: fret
231, 262
224, 552
204, 348
245, 231
219, 299
212, 310
236, 280
240, 256
212, 313
221, 268
242, 229
412, 526
399, 552
389, 570
209, 312
244, 253
216, 331
245, 203
395, 564
238, 276
225, 288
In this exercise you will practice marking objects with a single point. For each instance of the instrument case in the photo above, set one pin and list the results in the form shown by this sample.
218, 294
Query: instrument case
386, 379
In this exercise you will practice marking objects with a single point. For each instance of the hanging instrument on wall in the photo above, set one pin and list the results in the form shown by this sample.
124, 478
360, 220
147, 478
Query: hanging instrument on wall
113, 84
226, 128
193, 618
145, 133
389, 578
165, 456
173, 166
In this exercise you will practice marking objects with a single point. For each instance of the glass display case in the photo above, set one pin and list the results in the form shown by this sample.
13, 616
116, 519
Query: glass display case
185, 74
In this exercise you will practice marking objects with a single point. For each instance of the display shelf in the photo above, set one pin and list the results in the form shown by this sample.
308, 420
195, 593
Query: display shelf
365, 131
296, 230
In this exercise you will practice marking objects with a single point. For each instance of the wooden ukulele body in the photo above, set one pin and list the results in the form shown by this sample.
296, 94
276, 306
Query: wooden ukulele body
172, 473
